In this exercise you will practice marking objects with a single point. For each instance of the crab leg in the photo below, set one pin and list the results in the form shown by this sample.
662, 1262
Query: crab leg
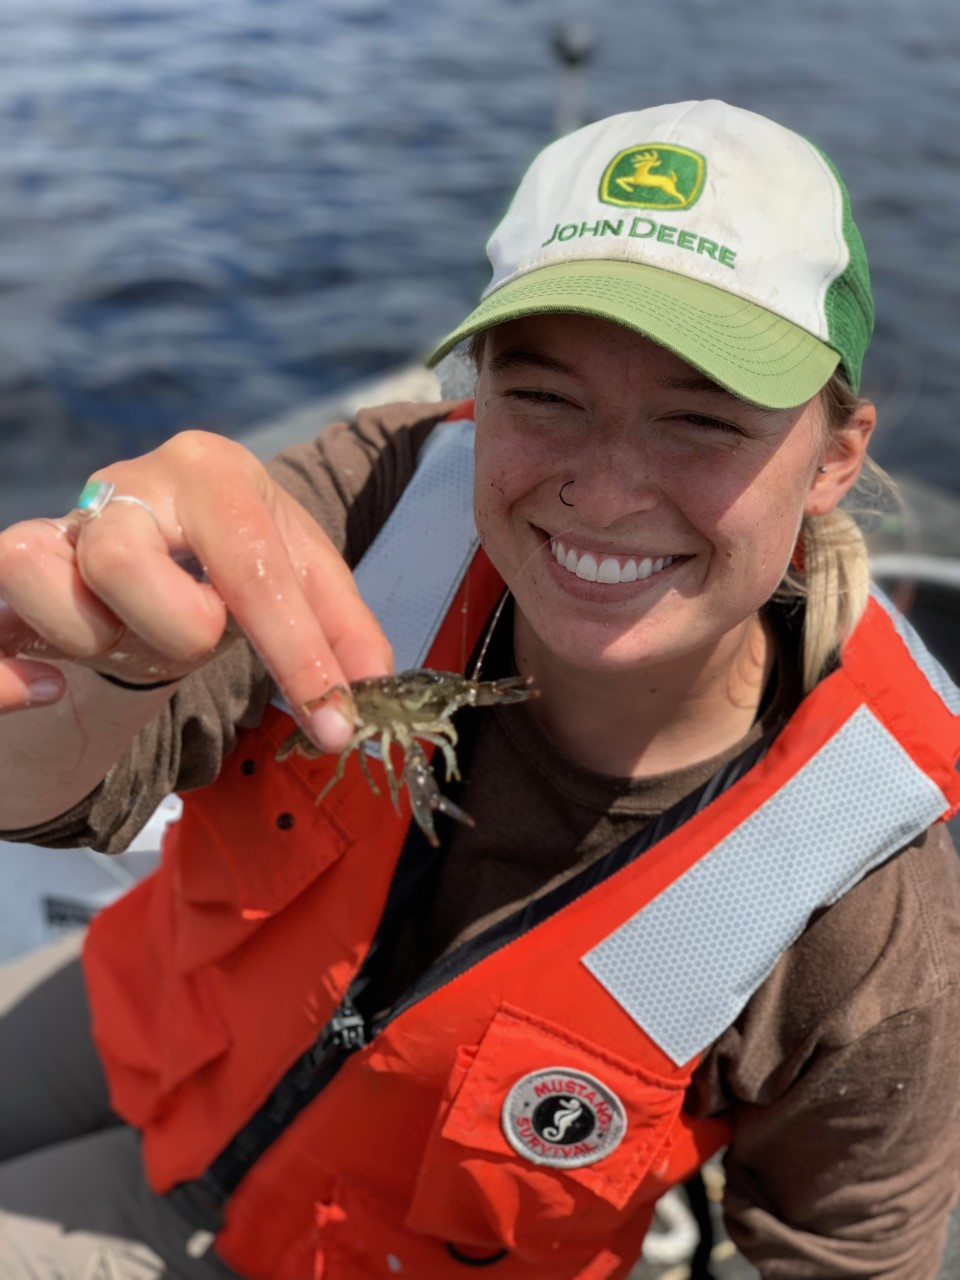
341, 765
449, 755
362, 752
425, 795
356, 741
510, 689
386, 738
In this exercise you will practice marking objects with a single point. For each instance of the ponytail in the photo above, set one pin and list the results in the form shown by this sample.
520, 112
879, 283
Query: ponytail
830, 570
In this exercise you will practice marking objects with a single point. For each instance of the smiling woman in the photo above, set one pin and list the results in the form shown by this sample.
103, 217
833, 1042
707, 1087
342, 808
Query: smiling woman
708, 900
671, 471
828, 566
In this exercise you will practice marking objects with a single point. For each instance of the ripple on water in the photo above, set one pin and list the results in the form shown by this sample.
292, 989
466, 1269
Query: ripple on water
209, 214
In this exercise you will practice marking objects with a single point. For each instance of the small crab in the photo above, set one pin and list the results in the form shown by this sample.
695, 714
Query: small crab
402, 708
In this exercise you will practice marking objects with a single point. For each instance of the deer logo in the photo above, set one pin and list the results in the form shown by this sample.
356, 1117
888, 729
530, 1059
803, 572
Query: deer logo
643, 164
655, 175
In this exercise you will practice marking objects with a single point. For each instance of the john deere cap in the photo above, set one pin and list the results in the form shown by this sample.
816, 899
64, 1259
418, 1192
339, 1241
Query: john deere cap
713, 231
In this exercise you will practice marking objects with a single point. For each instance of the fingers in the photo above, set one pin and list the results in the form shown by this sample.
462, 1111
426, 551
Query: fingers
124, 560
358, 642
289, 589
26, 684
114, 588
46, 602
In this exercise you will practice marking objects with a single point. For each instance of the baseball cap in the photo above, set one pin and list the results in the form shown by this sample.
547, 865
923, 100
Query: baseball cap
717, 233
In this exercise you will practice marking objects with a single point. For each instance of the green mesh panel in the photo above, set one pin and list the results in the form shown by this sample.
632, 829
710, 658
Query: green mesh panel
849, 303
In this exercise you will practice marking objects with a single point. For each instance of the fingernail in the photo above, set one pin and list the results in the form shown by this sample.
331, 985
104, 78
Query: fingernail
45, 689
330, 729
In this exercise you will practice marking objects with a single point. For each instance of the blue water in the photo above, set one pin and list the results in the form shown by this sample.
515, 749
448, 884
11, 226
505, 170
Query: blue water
211, 213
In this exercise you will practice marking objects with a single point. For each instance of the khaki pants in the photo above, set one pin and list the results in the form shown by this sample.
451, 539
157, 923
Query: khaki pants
74, 1202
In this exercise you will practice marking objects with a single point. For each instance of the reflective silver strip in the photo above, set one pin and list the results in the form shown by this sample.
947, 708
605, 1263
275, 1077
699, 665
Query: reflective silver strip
414, 566
939, 680
685, 966
416, 563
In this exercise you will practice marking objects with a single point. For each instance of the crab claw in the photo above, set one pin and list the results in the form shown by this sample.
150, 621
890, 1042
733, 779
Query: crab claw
512, 689
425, 796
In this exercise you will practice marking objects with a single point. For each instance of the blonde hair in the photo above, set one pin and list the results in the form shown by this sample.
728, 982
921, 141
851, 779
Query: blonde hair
830, 570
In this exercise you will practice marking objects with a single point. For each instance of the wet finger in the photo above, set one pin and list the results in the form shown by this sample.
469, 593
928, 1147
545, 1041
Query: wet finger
352, 629
25, 684
259, 573
45, 598
125, 559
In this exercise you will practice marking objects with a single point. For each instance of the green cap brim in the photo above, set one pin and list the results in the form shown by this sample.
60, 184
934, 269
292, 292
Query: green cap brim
757, 355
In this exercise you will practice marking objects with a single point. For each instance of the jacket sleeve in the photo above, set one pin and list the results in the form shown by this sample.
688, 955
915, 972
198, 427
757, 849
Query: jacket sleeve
844, 1079
349, 479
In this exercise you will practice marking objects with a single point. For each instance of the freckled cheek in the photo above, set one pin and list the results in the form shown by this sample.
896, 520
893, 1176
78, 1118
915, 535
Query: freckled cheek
717, 525
760, 543
490, 510
502, 478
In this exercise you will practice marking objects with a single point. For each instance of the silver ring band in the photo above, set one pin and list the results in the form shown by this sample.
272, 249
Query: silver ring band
97, 495
137, 502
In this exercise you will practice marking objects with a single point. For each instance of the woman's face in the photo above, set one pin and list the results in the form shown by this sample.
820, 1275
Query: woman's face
685, 501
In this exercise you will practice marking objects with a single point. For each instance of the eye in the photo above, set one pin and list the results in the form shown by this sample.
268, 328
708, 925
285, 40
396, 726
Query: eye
711, 424
532, 396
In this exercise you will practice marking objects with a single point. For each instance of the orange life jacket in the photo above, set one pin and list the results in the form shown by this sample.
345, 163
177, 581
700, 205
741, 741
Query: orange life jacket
521, 1106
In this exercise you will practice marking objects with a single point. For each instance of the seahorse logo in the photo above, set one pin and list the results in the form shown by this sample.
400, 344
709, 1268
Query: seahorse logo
568, 1112
563, 1117
654, 175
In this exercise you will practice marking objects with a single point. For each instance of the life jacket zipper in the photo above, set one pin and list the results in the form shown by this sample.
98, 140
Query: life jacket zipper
350, 1029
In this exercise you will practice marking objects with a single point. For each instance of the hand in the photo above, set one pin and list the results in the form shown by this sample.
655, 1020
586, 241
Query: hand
112, 593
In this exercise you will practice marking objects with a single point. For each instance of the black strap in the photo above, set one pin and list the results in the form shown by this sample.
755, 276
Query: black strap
546, 905
346, 1032
139, 688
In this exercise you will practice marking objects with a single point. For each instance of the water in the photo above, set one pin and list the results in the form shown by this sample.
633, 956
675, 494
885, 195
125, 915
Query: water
210, 214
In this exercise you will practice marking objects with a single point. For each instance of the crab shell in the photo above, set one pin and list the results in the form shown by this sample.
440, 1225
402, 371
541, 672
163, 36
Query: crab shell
401, 708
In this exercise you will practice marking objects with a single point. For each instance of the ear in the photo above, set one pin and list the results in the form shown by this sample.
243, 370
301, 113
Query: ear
842, 456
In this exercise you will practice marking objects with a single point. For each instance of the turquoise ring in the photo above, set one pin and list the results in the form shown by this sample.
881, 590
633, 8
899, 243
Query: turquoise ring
94, 496
98, 494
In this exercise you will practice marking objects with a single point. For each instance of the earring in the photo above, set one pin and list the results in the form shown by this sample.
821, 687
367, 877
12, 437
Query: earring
822, 470
562, 498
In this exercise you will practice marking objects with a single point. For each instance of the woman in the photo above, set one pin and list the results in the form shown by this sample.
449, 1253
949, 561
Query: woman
707, 900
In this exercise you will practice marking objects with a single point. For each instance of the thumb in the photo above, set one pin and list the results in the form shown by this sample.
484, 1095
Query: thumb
25, 684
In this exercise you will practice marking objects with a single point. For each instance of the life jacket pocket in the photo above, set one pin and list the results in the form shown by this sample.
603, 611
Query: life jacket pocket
131, 1002
362, 1235
543, 1142
246, 846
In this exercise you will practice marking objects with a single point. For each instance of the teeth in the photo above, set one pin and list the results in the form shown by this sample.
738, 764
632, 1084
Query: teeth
587, 568
609, 569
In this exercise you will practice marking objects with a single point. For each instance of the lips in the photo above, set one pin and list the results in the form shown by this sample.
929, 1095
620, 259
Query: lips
594, 566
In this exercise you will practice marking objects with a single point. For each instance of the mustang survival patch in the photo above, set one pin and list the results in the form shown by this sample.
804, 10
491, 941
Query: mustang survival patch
563, 1118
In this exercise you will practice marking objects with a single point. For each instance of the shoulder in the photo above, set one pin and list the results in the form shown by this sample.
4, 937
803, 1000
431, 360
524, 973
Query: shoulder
842, 1075
891, 943
888, 949
400, 429
350, 476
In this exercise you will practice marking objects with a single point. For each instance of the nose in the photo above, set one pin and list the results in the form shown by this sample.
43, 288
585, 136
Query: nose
617, 474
